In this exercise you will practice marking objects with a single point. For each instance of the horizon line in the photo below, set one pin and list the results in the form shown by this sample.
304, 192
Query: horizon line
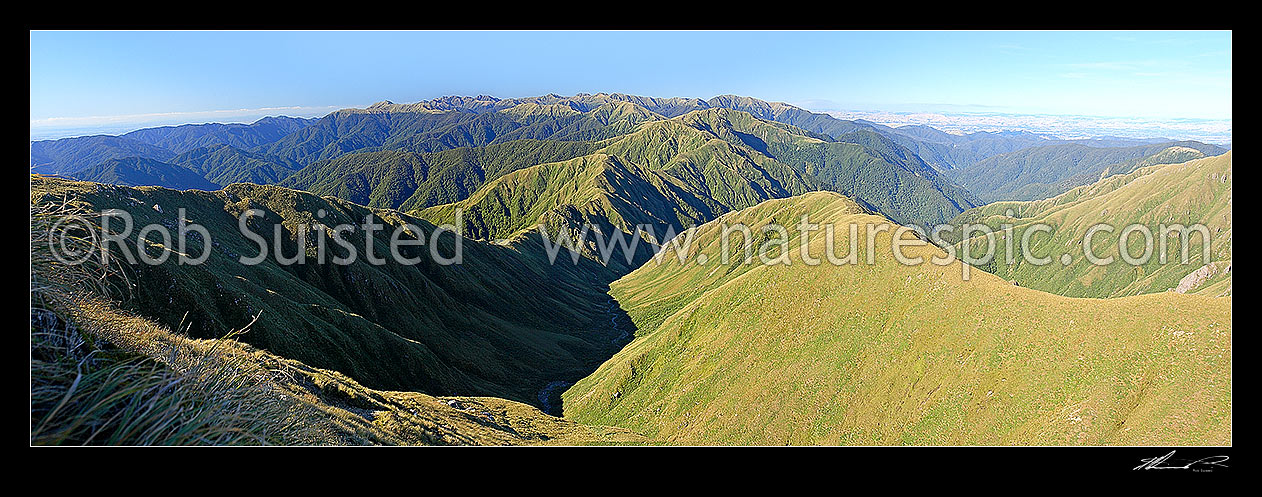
114, 125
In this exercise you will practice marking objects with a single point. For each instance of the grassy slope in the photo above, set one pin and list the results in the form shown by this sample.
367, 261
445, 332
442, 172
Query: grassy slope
1197, 191
1042, 172
884, 175
405, 180
872, 168
504, 323
863, 164
422, 129
893, 354
691, 168
668, 174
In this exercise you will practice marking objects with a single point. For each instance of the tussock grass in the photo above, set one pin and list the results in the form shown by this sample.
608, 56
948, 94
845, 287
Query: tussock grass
103, 378
101, 375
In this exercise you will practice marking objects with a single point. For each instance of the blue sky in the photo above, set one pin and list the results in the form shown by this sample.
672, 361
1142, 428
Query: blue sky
100, 79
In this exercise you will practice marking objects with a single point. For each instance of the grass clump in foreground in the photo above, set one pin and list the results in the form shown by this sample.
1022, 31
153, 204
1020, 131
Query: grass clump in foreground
102, 376
87, 389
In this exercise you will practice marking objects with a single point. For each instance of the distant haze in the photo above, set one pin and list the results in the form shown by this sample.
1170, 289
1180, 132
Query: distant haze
66, 127
1217, 131
172, 77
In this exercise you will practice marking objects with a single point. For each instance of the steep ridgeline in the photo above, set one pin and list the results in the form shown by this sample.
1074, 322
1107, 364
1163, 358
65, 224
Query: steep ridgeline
226, 164
867, 165
217, 151
667, 107
862, 164
187, 137
939, 149
582, 102
1046, 171
405, 180
137, 171
415, 128
503, 323
71, 155
875, 170
659, 180
946, 151
898, 354
1190, 193
687, 170
203, 168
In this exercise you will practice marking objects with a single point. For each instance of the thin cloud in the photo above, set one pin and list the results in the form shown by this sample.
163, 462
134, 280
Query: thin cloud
1064, 126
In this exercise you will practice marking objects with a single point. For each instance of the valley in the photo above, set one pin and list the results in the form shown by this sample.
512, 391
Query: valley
529, 339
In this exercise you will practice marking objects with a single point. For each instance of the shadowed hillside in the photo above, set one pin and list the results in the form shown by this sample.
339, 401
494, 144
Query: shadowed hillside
503, 323
136, 171
102, 376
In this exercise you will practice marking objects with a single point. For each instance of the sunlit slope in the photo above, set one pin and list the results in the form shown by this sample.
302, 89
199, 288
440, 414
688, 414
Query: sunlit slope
398, 179
894, 354
422, 128
503, 323
862, 164
422, 167
1045, 171
668, 175
874, 169
715, 152
1194, 192
689, 169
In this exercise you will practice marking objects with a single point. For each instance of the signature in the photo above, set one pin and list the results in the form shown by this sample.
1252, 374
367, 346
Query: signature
1168, 462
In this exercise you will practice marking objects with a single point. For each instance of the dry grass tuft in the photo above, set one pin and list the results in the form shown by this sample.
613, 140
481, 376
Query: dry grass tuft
101, 377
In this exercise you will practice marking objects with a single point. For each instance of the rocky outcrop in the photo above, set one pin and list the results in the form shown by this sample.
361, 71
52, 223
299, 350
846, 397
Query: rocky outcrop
1196, 278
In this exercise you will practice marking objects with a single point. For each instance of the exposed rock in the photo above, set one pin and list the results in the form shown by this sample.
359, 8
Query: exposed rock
1196, 278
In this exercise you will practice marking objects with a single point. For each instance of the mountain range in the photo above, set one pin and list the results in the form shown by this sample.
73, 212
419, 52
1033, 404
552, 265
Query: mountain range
610, 344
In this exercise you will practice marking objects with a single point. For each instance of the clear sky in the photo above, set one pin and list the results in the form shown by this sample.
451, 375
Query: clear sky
87, 79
